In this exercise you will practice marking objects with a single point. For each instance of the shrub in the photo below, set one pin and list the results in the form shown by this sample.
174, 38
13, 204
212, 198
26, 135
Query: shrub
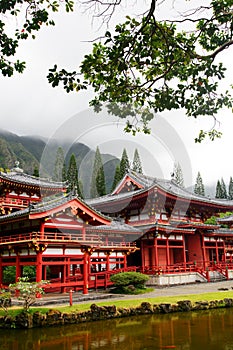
125, 279
5, 300
27, 291
9, 274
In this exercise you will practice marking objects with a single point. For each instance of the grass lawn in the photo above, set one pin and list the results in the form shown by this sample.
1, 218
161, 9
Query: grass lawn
219, 295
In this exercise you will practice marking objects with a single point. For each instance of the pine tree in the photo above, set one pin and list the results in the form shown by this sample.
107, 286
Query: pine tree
117, 177
199, 187
98, 185
218, 193
124, 164
230, 189
72, 176
178, 175
224, 190
59, 173
137, 165
36, 172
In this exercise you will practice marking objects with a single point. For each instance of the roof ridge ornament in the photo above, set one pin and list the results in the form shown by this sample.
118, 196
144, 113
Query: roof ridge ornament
17, 169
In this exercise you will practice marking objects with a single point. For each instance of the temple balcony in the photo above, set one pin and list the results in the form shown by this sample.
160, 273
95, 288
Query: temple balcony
46, 238
11, 203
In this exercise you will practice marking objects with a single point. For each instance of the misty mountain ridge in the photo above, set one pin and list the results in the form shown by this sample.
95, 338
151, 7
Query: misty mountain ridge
37, 152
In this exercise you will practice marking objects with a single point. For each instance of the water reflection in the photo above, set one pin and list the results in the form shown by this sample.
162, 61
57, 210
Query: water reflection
203, 330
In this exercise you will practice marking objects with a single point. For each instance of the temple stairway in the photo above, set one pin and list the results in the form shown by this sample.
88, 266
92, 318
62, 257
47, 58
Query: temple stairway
216, 276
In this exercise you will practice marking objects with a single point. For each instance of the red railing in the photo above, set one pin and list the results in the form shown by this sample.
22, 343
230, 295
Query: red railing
38, 236
96, 280
171, 269
202, 267
61, 237
14, 202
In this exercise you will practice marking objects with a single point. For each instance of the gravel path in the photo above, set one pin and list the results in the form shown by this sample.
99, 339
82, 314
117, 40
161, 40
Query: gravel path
197, 288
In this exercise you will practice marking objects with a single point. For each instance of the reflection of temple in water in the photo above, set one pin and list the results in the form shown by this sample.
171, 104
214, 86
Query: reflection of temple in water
183, 331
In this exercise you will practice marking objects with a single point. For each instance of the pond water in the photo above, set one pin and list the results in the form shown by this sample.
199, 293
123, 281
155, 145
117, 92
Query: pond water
203, 330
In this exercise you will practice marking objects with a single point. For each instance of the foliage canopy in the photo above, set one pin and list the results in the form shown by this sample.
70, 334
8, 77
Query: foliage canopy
145, 65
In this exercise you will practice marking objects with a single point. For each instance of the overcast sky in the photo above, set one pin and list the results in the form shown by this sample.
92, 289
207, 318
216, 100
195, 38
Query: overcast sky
30, 106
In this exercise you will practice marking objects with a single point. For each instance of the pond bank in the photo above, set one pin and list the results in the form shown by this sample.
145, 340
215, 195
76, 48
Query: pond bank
57, 318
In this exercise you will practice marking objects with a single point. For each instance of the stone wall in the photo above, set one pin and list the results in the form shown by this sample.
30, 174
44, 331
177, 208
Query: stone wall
56, 318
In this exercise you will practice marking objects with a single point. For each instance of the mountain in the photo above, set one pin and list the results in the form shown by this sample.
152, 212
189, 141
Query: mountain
36, 152
13, 147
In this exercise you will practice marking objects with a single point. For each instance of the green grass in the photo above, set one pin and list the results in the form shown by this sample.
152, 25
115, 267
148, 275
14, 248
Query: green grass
80, 307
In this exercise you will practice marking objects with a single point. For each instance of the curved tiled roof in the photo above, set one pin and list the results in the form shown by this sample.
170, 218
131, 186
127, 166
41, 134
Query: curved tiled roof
22, 178
117, 226
49, 203
225, 219
168, 186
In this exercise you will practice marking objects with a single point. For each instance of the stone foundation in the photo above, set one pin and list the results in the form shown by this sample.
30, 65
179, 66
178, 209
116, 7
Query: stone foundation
175, 279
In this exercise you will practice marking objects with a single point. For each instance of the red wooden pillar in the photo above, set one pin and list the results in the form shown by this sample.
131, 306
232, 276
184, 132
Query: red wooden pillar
216, 248
18, 269
224, 252
107, 261
168, 253
156, 258
42, 229
204, 252
68, 268
184, 252
63, 276
39, 266
142, 256
125, 261
85, 272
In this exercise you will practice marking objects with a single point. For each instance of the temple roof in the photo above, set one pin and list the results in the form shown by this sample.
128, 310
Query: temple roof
148, 183
226, 219
118, 226
25, 179
167, 229
53, 204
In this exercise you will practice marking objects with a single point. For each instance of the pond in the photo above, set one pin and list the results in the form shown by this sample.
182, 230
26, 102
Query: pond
202, 330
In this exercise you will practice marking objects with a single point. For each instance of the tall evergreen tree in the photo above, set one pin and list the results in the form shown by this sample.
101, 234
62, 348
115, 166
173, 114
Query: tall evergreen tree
199, 187
98, 185
178, 175
36, 172
59, 173
230, 189
72, 176
124, 164
218, 193
137, 165
117, 177
224, 190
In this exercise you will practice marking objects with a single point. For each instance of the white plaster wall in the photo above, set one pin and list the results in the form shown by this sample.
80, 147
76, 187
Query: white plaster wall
168, 280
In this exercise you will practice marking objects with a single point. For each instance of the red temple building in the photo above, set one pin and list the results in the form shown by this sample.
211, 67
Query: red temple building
68, 242
18, 190
147, 224
175, 237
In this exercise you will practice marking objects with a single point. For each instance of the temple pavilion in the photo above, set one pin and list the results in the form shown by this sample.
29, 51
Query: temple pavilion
68, 242
175, 237
146, 224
